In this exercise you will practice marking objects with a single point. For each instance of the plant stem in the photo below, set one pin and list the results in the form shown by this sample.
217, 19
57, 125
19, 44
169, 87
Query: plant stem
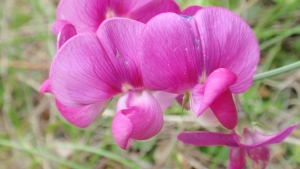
277, 71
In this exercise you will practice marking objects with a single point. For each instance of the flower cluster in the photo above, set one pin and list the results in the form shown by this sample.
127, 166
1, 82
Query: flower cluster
152, 53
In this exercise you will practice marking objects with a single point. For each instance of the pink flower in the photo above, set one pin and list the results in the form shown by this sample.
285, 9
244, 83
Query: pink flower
92, 68
254, 144
208, 56
86, 15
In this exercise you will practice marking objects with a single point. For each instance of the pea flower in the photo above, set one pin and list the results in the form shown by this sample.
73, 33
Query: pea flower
206, 57
87, 15
255, 144
92, 68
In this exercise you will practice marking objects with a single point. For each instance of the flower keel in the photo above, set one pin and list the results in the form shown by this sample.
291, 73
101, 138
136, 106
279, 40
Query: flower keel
139, 116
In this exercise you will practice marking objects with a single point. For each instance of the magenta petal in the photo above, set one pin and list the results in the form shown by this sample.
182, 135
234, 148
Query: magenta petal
133, 9
58, 25
80, 74
119, 37
247, 137
228, 42
165, 99
191, 10
85, 15
46, 87
81, 116
204, 95
122, 128
257, 139
203, 138
196, 99
89, 69
66, 32
141, 118
224, 109
179, 99
237, 158
167, 45
144, 14
147, 118
260, 156
120, 8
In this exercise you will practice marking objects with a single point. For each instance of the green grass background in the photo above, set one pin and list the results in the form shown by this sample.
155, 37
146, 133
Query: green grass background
34, 135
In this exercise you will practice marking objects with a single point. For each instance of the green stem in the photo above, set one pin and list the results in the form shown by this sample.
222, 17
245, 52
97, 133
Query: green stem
277, 71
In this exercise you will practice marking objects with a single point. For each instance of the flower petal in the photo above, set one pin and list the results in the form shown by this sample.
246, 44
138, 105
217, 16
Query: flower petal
46, 87
165, 99
81, 116
191, 10
237, 158
167, 45
89, 69
85, 15
146, 12
224, 109
260, 156
228, 42
217, 83
257, 139
139, 117
203, 138
119, 37
196, 99
120, 8
58, 25
121, 129
80, 74
66, 32
247, 137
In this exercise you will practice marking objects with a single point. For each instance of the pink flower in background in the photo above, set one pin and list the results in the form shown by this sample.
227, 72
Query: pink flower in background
209, 56
86, 15
191, 10
90, 69
255, 144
